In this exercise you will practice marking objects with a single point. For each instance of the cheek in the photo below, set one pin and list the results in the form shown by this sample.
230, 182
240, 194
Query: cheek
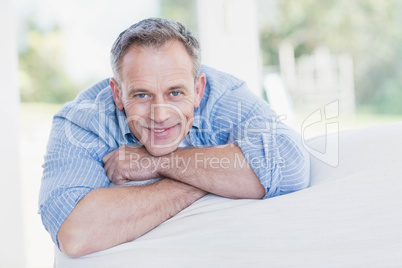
185, 112
186, 116
136, 114
132, 108
186, 108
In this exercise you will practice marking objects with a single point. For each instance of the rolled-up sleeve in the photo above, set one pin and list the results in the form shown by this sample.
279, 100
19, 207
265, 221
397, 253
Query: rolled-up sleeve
273, 150
71, 170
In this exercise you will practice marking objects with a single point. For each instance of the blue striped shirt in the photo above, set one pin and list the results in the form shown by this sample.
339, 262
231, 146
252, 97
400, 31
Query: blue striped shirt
91, 126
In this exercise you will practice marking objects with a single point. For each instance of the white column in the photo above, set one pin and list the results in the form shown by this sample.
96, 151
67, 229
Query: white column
228, 33
11, 223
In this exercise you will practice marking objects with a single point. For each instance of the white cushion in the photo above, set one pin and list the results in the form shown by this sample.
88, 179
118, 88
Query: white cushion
358, 151
349, 217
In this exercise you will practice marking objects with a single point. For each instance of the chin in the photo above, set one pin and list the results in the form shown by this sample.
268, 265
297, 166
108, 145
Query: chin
161, 152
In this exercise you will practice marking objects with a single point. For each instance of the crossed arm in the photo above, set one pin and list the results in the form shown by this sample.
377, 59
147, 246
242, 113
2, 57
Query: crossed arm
110, 216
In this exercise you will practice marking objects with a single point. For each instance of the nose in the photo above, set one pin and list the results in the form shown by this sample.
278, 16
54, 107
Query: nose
159, 111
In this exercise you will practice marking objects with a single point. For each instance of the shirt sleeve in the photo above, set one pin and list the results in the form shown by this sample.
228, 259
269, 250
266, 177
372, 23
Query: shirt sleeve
72, 168
272, 149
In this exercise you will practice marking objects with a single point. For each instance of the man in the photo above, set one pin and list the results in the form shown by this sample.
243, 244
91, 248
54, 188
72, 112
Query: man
165, 116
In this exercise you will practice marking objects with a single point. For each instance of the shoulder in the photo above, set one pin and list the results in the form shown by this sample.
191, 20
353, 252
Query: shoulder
95, 100
226, 94
90, 117
218, 82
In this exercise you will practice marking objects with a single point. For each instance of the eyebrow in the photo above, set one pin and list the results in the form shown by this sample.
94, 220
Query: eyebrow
178, 86
136, 90
132, 91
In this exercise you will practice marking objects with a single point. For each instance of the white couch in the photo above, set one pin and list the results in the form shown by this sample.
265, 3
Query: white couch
350, 216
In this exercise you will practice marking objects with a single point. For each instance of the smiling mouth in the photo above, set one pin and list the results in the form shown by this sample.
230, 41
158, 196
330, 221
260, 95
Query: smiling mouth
160, 130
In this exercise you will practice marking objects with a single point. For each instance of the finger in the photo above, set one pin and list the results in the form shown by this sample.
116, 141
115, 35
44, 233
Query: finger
108, 156
107, 163
117, 177
110, 167
110, 172
107, 171
110, 159
120, 182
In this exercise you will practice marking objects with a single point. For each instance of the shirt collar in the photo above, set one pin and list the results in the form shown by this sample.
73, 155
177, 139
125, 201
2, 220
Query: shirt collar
123, 126
197, 120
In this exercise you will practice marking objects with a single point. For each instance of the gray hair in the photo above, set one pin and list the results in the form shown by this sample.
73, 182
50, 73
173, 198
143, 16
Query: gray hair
154, 32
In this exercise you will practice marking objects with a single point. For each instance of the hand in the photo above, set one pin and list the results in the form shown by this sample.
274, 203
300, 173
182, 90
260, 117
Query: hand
128, 163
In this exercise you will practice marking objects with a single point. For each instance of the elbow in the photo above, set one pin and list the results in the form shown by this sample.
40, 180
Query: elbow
256, 192
71, 251
72, 244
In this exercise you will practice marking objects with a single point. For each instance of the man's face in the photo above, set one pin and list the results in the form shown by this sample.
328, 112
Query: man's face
158, 94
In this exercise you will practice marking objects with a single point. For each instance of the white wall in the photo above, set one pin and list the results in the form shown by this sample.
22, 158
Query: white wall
228, 33
11, 223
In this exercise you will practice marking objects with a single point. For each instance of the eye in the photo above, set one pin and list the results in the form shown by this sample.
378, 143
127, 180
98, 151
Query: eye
175, 93
141, 96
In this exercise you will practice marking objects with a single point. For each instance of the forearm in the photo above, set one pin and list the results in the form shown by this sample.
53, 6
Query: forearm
110, 216
220, 170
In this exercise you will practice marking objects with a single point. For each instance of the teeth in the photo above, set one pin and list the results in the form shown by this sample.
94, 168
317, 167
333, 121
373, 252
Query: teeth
159, 130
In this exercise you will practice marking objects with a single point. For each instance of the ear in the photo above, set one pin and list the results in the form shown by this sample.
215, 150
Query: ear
116, 94
199, 89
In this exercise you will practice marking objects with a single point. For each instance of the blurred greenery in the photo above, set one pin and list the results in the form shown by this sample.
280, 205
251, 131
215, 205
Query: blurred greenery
366, 29
184, 11
369, 30
42, 77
